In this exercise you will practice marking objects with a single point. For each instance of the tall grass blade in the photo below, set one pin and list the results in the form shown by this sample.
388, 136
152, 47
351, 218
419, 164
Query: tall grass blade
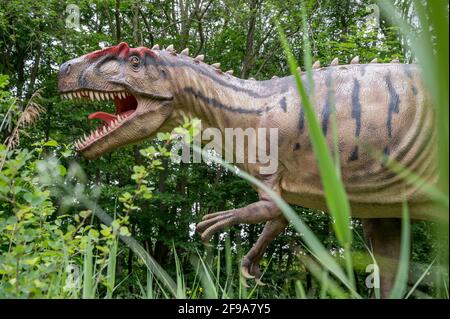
88, 271
180, 276
416, 284
111, 270
149, 285
401, 279
299, 290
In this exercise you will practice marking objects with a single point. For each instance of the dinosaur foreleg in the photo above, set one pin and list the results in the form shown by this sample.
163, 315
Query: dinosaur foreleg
255, 213
250, 262
383, 236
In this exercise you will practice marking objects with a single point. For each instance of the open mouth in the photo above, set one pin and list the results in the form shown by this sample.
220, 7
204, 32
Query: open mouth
124, 102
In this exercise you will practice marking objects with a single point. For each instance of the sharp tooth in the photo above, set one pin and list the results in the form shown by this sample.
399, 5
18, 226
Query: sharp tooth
97, 97
91, 95
119, 118
104, 129
111, 96
78, 94
96, 135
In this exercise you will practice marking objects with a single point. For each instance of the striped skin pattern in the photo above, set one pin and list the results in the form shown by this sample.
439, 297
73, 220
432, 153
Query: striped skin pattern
377, 106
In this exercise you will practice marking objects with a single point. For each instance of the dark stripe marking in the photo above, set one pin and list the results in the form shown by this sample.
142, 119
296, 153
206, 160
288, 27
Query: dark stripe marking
283, 104
356, 106
327, 107
301, 117
394, 101
386, 153
354, 155
301, 120
215, 103
356, 114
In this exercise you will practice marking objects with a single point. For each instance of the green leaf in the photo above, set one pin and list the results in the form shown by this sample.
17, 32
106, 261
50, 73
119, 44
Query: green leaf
51, 143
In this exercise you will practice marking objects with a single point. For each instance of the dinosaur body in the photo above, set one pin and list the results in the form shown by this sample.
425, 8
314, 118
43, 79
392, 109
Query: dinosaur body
384, 106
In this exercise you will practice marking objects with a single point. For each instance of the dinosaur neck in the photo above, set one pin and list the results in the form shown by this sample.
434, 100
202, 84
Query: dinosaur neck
219, 99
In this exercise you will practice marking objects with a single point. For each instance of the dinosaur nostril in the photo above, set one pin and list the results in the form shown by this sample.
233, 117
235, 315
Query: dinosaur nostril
68, 68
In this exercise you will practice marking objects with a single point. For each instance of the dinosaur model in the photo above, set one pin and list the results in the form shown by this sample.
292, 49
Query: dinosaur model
383, 105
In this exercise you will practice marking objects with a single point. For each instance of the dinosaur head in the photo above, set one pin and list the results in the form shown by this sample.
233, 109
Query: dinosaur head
134, 80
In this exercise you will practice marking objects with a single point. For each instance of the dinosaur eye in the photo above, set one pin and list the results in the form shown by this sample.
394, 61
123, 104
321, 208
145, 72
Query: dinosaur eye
135, 62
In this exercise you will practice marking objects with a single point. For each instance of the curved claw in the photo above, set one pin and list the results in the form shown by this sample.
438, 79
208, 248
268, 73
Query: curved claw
245, 273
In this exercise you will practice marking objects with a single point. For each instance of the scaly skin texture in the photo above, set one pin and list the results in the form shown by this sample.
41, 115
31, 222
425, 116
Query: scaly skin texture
383, 106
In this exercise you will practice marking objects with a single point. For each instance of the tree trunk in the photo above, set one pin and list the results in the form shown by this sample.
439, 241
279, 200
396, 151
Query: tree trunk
35, 69
117, 17
248, 58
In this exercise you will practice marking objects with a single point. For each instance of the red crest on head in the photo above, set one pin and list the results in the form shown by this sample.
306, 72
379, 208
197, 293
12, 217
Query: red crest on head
120, 50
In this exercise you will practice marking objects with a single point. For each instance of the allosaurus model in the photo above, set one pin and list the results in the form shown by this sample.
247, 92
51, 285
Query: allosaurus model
383, 105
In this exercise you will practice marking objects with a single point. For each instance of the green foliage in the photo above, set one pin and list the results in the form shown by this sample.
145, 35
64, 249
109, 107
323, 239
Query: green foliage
51, 243
41, 249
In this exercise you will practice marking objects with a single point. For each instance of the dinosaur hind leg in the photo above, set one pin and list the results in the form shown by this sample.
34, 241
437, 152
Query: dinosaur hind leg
383, 236
250, 262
